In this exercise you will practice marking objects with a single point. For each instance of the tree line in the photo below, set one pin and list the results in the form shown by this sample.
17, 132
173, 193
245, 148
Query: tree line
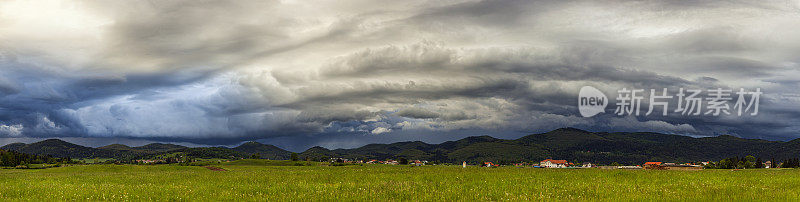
750, 162
13, 159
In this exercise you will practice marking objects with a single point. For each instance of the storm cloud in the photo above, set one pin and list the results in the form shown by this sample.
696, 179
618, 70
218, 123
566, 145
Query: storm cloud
348, 73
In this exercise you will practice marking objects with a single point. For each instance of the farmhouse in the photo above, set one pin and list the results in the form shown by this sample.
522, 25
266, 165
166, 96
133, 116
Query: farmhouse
150, 161
652, 165
550, 163
670, 166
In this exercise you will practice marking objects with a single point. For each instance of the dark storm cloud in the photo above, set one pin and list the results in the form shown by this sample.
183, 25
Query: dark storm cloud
347, 73
417, 113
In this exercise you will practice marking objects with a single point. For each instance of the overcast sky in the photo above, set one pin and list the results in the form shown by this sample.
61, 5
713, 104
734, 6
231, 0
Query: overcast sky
342, 73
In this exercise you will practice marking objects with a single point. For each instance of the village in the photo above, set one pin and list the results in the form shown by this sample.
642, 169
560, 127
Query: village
546, 163
553, 163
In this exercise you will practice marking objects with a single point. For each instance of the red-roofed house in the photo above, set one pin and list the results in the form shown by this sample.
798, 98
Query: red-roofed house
652, 165
550, 163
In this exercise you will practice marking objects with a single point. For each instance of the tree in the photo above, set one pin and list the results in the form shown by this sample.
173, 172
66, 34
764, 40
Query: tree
773, 163
255, 156
402, 161
726, 163
791, 163
294, 156
759, 164
12, 158
749, 162
750, 158
710, 165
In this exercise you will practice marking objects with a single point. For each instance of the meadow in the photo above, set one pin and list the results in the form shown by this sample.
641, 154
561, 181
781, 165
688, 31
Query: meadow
261, 180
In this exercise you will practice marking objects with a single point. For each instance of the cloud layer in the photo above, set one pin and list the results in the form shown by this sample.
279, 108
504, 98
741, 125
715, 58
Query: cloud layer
347, 73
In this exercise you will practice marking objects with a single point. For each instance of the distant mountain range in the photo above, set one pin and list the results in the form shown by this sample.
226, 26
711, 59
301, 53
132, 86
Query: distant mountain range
61, 149
567, 143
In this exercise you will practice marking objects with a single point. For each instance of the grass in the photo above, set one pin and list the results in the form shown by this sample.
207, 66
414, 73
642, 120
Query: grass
95, 160
258, 162
257, 180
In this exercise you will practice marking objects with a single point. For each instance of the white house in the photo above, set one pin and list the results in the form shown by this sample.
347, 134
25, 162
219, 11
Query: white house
550, 163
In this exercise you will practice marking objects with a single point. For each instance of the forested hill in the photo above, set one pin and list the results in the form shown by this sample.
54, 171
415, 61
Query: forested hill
567, 143
574, 145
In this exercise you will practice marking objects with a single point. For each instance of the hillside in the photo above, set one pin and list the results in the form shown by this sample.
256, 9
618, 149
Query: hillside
567, 143
574, 145
263, 150
55, 148
121, 147
159, 147
13, 146
213, 152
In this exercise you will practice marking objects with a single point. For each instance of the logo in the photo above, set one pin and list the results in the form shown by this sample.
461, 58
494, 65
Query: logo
687, 102
591, 101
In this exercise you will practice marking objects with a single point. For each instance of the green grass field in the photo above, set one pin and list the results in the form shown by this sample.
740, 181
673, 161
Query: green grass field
278, 180
94, 160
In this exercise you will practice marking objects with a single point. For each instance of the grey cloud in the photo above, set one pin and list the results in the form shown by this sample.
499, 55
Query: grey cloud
11, 130
191, 34
417, 113
327, 115
221, 72
491, 13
